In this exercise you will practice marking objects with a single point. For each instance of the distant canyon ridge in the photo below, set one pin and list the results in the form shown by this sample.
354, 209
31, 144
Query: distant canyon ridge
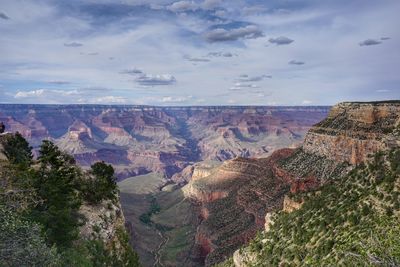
142, 139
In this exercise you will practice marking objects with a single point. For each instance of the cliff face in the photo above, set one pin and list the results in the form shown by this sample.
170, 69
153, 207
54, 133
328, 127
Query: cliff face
241, 195
140, 139
233, 201
352, 131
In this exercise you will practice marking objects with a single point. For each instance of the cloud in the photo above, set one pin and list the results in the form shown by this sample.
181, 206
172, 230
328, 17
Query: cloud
154, 80
59, 82
222, 35
382, 91
220, 54
306, 102
369, 42
73, 44
4, 16
183, 6
133, 71
171, 99
194, 59
296, 62
282, 40
92, 54
385, 38
211, 4
109, 99
247, 78
253, 10
43, 92
241, 86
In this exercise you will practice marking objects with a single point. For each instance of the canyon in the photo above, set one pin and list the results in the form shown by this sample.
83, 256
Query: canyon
142, 139
241, 196
209, 178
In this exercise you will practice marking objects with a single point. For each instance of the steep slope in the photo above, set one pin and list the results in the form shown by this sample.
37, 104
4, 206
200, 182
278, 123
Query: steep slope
237, 196
88, 231
351, 222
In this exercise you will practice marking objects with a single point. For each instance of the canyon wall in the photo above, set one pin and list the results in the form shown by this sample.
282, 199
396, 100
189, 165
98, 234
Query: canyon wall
142, 139
241, 195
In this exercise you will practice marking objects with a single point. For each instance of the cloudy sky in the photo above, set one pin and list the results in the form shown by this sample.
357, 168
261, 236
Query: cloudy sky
205, 52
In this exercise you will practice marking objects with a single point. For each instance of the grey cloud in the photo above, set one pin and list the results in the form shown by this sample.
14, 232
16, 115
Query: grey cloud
182, 6
247, 78
385, 38
4, 16
220, 54
194, 59
369, 42
59, 82
222, 35
282, 40
154, 80
211, 4
73, 44
92, 54
133, 71
296, 62
253, 10
241, 86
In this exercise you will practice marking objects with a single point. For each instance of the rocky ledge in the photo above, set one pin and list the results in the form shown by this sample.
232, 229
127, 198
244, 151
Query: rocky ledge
353, 131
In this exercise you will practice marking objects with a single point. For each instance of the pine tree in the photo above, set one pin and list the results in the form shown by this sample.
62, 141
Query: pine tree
55, 183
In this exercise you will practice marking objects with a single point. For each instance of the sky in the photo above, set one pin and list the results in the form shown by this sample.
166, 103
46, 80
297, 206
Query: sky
205, 52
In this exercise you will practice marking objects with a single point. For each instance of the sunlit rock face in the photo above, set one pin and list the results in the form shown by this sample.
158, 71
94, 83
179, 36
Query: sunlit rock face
142, 139
353, 131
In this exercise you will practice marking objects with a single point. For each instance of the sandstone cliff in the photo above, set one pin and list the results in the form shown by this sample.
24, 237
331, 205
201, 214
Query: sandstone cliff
353, 131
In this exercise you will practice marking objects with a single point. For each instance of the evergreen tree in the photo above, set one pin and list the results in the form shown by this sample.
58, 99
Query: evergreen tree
100, 183
55, 183
17, 150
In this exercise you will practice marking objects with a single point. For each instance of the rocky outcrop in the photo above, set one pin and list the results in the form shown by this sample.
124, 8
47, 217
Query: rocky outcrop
290, 205
353, 131
102, 221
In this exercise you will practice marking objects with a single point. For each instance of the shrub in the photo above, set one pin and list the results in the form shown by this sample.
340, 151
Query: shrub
100, 183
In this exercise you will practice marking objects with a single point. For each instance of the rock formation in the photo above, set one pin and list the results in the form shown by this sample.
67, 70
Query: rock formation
142, 139
240, 196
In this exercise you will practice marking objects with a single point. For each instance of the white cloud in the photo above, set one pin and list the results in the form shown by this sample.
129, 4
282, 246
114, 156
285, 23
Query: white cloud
44, 92
221, 35
154, 80
171, 99
109, 99
182, 6
241, 86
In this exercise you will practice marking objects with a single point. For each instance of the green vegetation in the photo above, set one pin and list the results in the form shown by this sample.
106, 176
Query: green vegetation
154, 208
39, 210
17, 150
100, 184
354, 221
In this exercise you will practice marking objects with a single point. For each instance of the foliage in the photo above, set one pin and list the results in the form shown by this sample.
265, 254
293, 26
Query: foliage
353, 221
100, 183
39, 216
55, 183
154, 208
95, 253
22, 243
17, 150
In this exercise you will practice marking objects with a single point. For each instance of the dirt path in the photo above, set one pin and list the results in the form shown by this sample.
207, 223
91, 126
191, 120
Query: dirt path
157, 254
